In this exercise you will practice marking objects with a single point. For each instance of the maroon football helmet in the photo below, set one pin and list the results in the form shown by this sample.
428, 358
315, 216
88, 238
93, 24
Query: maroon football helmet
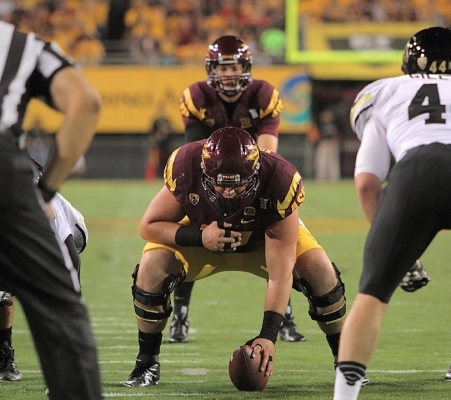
230, 158
225, 51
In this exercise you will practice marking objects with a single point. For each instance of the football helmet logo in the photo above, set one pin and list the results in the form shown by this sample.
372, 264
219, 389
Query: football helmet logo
428, 51
193, 199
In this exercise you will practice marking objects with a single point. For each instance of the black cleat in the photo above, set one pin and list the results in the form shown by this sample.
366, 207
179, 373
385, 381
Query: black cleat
289, 332
178, 332
8, 369
143, 376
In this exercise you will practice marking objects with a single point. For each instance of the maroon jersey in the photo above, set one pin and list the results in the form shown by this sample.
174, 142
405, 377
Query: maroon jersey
257, 110
279, 194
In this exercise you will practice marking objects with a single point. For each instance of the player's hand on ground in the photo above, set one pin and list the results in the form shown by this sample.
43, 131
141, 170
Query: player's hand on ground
219, 237
267, 349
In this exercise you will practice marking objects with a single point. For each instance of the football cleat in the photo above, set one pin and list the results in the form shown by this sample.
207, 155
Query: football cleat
8, 369
448, 374
415, 278
178, 331
365, 381
289, 332
143, 376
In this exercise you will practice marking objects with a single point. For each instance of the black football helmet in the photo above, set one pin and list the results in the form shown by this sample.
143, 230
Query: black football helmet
428, 52
230, 158
229, 50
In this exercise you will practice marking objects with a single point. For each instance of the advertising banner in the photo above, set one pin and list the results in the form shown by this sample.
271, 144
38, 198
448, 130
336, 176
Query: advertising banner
134, 96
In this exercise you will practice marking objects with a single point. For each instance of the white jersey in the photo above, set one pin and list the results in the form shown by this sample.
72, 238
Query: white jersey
69, 221
391, 116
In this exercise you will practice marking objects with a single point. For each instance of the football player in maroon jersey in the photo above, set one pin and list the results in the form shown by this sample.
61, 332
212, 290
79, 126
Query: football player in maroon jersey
229, 97
236, 210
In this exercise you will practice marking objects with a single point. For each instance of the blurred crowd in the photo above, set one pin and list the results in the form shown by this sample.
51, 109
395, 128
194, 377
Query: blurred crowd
166, 32
73, 24
437, 12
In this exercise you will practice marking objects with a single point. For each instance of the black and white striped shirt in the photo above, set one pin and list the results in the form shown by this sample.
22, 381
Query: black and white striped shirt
27, 66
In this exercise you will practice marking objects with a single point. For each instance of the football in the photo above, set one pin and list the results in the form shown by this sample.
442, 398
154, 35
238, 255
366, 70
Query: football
244, 371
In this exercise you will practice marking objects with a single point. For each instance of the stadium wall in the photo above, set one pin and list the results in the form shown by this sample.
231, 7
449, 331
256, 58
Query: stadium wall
134, 96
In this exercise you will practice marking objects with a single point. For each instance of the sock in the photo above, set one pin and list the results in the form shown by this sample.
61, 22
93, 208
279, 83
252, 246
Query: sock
149, 348
289, 311
5, 336
182, 297
348, 380
334, 341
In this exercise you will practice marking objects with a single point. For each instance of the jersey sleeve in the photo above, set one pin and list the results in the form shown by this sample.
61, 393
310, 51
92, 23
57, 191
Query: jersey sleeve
293, 198
191, 113
374, 154
182, 168
51, 60
363, 107
171, 172
271, 107
285, 184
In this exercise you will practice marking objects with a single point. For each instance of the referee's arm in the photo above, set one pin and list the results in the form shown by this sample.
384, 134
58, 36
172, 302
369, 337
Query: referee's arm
73, 95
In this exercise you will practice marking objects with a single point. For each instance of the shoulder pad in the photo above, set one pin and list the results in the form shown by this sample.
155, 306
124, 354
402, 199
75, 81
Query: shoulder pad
168, 176
191, 96
270, 102
362, 107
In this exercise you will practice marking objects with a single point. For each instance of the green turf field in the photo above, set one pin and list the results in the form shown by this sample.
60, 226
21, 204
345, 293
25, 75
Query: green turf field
226, 310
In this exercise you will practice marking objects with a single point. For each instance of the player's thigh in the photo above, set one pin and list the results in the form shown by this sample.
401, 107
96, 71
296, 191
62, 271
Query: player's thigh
401, 230
200, 263
305, 241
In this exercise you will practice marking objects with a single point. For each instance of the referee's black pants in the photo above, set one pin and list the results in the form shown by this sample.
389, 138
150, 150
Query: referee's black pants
37, 269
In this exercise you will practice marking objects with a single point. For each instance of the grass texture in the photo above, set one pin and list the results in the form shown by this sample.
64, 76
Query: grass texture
226, 310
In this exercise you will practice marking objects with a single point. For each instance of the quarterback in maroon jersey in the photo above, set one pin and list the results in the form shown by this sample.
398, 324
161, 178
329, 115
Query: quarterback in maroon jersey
229, 206
229, 97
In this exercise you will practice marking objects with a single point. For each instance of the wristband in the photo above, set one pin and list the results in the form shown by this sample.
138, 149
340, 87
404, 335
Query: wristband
188, 237
47, 193
270, 326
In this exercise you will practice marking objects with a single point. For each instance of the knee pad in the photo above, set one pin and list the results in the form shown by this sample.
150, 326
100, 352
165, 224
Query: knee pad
155, 299
328, 299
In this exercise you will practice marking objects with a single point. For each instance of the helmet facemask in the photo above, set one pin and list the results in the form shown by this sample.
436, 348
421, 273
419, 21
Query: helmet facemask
228, 207
230, 159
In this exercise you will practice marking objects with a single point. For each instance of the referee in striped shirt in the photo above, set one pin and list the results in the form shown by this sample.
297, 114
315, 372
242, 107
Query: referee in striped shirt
33, 266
